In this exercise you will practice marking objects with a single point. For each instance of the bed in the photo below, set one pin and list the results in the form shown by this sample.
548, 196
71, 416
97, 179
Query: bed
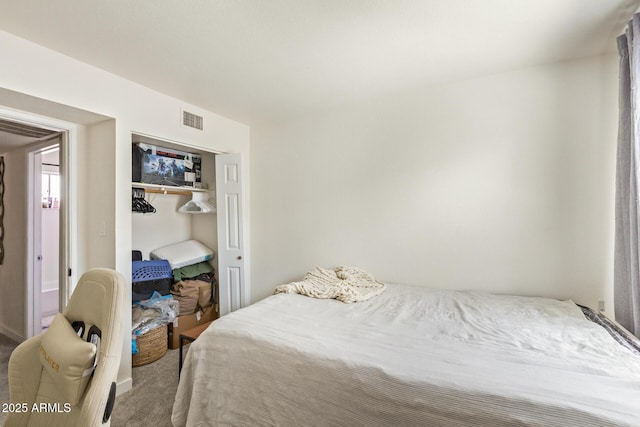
410, 356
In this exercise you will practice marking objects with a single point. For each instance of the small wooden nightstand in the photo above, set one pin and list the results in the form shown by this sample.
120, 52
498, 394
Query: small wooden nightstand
190, 335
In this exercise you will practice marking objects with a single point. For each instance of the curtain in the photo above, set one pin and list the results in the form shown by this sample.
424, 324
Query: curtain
627, 257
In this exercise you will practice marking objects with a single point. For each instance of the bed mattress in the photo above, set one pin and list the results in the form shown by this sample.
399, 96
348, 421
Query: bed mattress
411, 356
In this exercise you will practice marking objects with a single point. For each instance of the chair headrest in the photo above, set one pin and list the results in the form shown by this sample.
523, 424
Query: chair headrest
98, 301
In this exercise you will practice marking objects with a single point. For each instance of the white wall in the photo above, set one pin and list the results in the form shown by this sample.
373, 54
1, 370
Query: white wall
50, 242
150, 231
134, 108
502, 183
99, 200
12, 320
50, 248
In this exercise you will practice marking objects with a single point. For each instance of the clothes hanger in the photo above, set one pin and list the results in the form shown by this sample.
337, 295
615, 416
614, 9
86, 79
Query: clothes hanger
199, 204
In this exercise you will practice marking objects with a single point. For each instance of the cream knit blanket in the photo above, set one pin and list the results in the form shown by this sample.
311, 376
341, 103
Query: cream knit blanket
346, 284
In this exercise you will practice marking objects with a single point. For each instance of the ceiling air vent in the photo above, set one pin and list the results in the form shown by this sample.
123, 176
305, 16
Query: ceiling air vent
191, 120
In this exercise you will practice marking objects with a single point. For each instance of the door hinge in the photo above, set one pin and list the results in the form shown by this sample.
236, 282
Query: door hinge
69, 273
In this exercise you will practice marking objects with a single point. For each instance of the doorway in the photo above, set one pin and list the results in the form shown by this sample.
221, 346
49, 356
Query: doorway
46, 284
38, 140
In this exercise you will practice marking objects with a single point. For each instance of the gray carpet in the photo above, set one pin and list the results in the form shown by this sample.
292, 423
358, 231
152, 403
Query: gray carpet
6, 347
150, 400
148, 403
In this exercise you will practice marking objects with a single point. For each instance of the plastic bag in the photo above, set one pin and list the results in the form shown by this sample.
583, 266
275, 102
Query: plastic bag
157, 310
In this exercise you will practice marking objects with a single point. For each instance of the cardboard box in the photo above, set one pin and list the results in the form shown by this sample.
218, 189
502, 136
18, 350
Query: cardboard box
164, 166
188, 321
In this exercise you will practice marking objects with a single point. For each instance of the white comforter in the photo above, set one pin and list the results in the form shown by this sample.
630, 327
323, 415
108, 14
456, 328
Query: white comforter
411, 356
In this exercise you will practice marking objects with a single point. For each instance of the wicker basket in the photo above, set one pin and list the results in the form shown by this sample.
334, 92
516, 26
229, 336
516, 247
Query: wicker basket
151, 346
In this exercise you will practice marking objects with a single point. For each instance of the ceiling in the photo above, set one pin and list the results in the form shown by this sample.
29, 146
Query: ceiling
257, 60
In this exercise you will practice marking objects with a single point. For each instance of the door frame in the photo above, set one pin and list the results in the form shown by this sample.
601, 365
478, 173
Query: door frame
68, 210
66, 232
243, 294
34, 228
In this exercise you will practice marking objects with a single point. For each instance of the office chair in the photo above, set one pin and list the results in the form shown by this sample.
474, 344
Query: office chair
66, 375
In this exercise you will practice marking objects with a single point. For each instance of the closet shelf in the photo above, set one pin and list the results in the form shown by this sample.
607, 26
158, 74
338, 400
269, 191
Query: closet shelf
169, 189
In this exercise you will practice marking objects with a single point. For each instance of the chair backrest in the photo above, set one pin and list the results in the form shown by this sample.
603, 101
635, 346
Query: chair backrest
98, 300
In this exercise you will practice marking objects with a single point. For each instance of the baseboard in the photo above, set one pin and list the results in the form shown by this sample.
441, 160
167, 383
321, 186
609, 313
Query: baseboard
10, 333
124, 386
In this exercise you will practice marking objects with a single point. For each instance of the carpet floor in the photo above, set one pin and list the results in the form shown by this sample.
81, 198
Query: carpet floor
148, 403
6, 347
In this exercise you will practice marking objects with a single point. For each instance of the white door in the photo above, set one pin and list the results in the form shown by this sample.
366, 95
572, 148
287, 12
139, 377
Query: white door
36, 233
233, 288
41, 254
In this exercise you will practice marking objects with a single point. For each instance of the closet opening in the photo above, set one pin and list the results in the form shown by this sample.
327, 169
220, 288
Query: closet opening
187, 210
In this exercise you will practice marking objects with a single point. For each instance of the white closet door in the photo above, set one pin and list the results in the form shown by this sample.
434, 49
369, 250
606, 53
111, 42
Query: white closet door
229, 197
